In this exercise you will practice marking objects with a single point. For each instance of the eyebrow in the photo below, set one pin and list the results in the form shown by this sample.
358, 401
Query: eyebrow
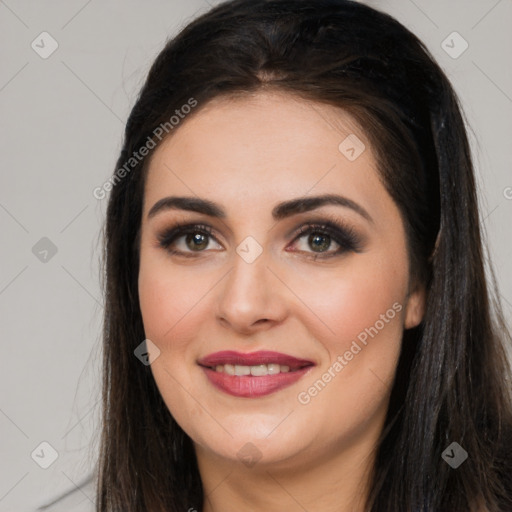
279, 212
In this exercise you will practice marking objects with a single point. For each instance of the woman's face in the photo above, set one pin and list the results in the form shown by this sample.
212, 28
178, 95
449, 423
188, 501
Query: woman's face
311, 321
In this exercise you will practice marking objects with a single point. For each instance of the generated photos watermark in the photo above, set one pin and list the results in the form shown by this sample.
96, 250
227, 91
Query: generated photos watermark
159, 133
342, 360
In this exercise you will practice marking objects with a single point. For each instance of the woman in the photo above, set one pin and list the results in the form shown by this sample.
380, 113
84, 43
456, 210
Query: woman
297, 315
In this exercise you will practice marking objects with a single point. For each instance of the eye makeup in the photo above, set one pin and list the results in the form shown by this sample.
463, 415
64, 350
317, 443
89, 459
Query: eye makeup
326, 229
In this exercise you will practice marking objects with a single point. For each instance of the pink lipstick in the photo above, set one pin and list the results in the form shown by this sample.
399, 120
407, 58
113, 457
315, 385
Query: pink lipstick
255, 374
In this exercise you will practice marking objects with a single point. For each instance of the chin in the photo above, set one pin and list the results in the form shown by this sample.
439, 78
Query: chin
251, 444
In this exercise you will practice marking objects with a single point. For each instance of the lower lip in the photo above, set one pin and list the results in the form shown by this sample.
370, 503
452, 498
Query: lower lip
248, 386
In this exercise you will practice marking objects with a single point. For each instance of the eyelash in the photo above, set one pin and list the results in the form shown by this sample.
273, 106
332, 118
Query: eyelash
342, 234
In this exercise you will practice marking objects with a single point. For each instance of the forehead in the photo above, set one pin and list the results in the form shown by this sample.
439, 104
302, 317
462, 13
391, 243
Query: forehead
259, 149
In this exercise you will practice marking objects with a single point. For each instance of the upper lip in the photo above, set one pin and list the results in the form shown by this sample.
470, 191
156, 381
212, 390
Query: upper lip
253, 359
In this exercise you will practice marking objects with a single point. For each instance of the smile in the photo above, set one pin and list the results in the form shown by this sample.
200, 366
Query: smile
253, 375
255, 371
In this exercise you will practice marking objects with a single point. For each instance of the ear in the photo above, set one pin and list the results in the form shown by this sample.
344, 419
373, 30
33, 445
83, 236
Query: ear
415, 307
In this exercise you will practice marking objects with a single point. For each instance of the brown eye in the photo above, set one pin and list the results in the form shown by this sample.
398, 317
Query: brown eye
320, 238
319, 242
196, 241
196, 238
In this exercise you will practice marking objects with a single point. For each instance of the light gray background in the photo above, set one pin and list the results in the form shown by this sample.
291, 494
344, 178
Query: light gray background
62, 124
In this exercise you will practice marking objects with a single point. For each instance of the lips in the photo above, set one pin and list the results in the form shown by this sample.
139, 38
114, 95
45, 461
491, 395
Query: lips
255, 374
253, 359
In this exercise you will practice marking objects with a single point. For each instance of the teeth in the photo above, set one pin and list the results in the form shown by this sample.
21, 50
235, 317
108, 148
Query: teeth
259, 370
242, 370
273, 369
256, 371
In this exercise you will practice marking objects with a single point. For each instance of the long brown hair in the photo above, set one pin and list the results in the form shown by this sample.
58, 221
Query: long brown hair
453, 377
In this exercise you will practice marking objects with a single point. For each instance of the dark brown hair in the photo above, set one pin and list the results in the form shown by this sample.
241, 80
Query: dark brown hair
452, 382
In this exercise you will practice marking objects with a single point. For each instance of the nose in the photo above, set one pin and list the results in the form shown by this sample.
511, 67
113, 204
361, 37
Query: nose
251, 298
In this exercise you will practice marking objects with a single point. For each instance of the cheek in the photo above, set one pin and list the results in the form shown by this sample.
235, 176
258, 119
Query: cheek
170, 308
168, 300
362, 313
353, 299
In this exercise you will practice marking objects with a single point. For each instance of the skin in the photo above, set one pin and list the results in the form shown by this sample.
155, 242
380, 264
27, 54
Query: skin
247, 155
